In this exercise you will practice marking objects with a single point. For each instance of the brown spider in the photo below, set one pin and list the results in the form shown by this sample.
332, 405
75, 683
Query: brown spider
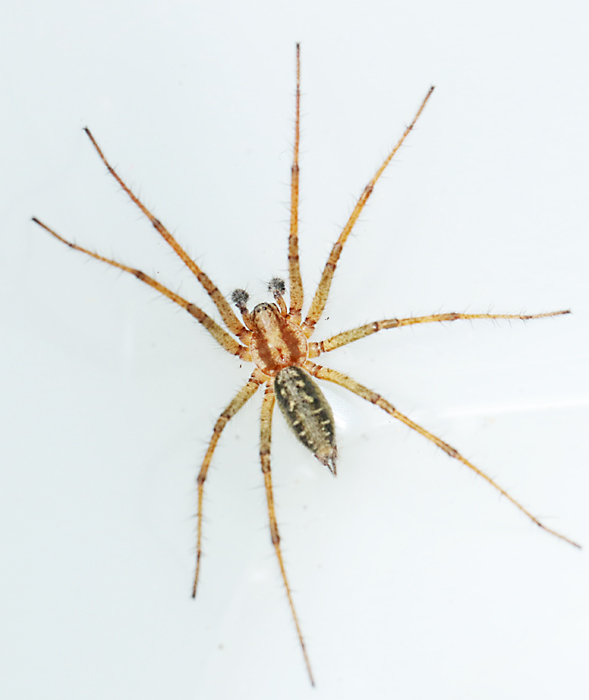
276, 339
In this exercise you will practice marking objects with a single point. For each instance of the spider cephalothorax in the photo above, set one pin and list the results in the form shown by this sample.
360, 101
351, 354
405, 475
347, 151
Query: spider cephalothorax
276, 339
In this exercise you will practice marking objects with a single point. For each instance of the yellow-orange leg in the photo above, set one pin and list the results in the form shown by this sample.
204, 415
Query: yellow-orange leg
265, 442
341, 339
226, 341
231, 320
331, 375
239, 400
296, 284
320, 298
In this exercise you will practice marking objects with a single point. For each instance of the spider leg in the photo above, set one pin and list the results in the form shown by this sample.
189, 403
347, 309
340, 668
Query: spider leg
231, 320
237, 403
331, 375
221, 336
296, 284
341, 339
320, 298
265, 441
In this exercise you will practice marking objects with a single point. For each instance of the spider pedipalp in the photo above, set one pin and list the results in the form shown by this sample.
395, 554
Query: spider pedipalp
277, 287
240, 298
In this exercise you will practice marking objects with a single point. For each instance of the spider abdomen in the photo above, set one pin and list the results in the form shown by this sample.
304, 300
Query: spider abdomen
307, 413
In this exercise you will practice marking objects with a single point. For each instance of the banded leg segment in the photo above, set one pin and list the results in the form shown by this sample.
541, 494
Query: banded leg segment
320, 298
219, 334
350, 384
239, 400
294, 270
265, 442
231, 320
341, 339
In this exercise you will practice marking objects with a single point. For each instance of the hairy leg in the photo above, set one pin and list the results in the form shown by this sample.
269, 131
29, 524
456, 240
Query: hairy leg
239, 400
265, 442
331, 375
219, 334
296, 284
231, 320
320, 298
341, 339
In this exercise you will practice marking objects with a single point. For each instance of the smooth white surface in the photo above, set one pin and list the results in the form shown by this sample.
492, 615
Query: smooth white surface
412, 578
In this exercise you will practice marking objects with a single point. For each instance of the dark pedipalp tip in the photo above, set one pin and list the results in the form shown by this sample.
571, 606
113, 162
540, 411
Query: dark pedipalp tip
277, 286
240, 298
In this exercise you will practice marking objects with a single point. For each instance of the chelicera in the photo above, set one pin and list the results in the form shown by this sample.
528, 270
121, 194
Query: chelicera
275, 337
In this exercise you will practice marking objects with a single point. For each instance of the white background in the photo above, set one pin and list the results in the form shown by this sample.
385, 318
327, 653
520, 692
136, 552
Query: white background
412, 578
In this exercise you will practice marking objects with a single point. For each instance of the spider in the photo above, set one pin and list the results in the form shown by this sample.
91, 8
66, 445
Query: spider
276, 338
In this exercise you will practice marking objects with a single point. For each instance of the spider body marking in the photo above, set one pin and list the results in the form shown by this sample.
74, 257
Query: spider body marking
276, 342
276, 339
307, 413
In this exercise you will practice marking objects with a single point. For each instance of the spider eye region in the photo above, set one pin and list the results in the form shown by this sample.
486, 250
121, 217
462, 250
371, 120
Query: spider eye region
307, 413
276, 342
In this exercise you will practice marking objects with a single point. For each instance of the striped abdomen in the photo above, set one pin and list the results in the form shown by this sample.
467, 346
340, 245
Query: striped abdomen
307, 413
